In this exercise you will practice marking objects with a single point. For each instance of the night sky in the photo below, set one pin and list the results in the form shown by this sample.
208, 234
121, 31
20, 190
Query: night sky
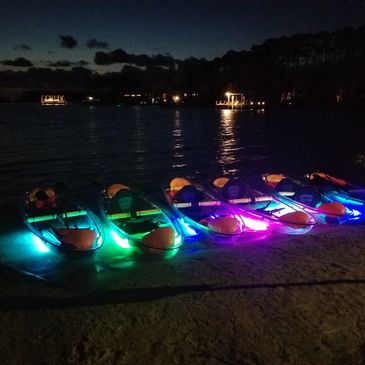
69, 32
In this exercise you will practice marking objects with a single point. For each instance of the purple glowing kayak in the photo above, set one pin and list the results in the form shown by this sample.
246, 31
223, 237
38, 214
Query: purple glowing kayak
209, 211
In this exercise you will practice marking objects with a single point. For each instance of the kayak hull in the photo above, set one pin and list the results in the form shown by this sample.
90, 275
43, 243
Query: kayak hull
66, 227
137, 221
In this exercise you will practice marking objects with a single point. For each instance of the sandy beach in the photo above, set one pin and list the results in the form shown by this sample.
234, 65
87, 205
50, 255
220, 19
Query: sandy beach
282, 300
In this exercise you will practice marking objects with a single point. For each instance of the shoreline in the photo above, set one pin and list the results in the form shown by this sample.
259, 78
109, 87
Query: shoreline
283, 300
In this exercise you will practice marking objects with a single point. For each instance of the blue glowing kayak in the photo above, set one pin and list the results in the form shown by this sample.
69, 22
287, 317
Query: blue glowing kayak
322, 206
138, 220
201, 213
61, 222
339, 190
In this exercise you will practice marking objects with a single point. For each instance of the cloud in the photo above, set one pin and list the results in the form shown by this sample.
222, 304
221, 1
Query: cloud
24, 47
18, 62
93, 43
121, 56
68, 41
65, 63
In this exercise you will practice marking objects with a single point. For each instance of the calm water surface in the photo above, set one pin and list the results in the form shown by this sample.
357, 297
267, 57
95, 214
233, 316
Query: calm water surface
147, 146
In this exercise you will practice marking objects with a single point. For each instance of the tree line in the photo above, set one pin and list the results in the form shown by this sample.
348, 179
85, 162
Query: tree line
321, 68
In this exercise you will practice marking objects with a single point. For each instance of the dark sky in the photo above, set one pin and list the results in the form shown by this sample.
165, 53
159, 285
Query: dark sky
201, 28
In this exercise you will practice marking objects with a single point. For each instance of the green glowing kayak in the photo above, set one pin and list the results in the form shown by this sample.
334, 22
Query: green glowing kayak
134, 217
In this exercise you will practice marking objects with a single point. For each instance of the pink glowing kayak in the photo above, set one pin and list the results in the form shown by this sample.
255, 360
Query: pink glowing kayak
321, 206
213, 213
141, 221
282, 215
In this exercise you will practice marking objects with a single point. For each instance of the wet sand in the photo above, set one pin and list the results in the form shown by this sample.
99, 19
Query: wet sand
283, 300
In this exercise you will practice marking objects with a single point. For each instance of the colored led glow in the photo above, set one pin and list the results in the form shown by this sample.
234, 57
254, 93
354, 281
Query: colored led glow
39, 245
120, 241
254, 224
140, 213
48, 217
187, 228
346, 199
178, 240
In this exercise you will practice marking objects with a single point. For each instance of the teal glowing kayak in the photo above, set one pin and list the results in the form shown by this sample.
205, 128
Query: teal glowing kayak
144, 223
337, 189
61, 222
321, 205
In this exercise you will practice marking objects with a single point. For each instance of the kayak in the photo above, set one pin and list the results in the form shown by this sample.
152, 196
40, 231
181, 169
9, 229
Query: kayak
321, 206
61, 222
279, 214
200, 213
339, 190
143, 222
216, 212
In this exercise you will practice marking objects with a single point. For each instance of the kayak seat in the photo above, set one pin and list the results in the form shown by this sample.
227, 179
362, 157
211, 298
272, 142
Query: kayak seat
139, 227
234, 189
307, 196
190, 194
124, 201
287, 185
323, 185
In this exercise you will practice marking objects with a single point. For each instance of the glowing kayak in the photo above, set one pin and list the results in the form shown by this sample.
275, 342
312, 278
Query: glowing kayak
339, 190
325, 209
61, 222
276, 213
143, 222
199, 211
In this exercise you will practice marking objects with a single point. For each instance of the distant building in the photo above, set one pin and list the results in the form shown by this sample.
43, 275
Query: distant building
238, 101
53, 100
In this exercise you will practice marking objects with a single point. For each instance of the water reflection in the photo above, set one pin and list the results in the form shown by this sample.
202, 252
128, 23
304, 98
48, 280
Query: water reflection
139, 139
228, 141
178, 142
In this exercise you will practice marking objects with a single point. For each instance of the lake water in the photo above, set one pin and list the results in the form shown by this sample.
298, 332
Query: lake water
147, 146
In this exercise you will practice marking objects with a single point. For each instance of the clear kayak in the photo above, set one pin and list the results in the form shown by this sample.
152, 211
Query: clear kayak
322, 206
201, 213
339, 190
279, 215
213, 212
135, 217
61, 222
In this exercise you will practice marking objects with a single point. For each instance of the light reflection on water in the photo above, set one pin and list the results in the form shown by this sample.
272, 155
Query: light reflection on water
229, 141
147, 146
178, 142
